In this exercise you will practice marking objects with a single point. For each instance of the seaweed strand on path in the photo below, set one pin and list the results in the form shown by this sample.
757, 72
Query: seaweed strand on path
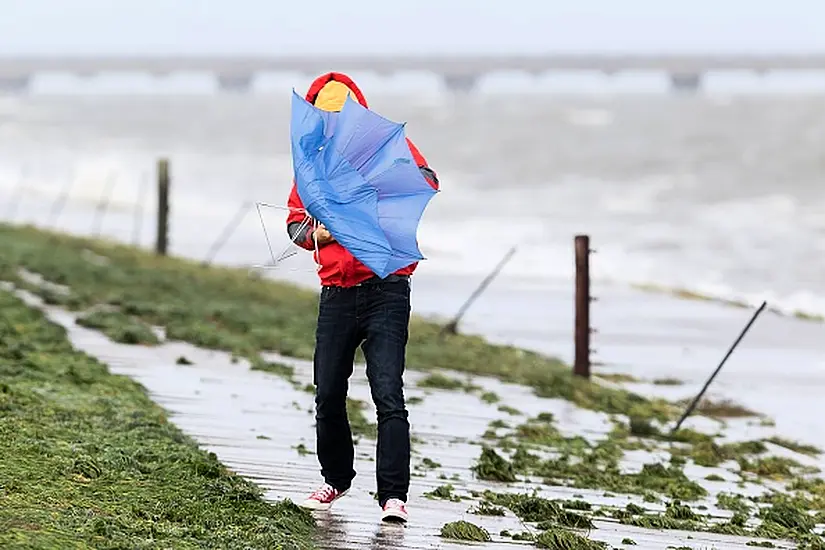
464, 530
119, 327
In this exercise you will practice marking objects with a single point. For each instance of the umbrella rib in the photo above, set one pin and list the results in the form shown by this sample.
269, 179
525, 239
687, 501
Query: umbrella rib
285, 253
340, 150
266, 234
376, 176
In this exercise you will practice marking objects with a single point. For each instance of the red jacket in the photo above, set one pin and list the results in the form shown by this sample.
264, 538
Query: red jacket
337, 266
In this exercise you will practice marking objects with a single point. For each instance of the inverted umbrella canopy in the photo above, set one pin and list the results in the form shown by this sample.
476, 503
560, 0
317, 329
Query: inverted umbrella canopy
355, 174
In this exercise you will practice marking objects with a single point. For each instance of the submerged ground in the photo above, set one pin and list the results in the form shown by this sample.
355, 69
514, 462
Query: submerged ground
569, 461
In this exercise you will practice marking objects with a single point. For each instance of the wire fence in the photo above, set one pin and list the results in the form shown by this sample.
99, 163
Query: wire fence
147, 215
128, 210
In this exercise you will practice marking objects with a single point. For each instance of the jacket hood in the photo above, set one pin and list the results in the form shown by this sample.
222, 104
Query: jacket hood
329, 91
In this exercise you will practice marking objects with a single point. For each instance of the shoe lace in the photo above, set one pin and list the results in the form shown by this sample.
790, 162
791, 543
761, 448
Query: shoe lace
324, 492
394, 503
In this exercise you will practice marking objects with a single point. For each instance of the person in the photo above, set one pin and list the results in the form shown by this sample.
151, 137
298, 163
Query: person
356, 308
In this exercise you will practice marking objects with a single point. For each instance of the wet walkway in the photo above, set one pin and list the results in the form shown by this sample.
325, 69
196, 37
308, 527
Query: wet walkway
255, 423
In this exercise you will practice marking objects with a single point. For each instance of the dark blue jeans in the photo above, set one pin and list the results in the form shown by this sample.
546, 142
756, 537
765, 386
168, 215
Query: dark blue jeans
374, 315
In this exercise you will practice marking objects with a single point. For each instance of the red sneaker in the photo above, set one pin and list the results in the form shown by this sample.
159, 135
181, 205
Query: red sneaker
323, 498
395, 510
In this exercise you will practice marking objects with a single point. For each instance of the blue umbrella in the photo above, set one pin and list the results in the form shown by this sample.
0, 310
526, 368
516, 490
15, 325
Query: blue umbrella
355, 174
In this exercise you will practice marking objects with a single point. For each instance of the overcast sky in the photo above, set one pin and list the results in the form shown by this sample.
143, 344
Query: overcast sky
375, 26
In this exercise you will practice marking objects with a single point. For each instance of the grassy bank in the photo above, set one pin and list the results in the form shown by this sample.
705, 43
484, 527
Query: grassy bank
88, 461
224, 308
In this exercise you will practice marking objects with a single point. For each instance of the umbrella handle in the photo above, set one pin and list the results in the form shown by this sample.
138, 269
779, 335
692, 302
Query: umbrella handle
317, 255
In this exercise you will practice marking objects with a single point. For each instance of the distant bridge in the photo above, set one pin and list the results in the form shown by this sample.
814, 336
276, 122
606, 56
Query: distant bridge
237, 72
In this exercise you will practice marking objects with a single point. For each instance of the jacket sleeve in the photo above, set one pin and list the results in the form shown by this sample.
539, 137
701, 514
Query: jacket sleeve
296, 217
428, 173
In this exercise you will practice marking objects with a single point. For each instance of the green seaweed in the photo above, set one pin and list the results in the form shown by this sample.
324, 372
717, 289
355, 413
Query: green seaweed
720, 409
441, 381
119, 327
795, 446
491, 466
773, 467
89, 461
490, 397
734, 503
561, 539
676, 516
618, 377
428, 463
577, 505
582, 464
464, 530
484, 508
273, 367
668, 382
443, 492
548, 514
302, 449
788, 516
705, 451
512, 411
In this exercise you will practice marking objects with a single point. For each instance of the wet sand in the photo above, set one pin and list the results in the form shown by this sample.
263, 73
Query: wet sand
254, 421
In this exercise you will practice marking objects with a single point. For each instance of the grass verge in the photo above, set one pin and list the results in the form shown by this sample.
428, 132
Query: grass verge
89, 461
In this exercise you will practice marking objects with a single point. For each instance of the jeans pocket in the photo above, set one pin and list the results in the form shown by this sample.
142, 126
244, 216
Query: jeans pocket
328, 293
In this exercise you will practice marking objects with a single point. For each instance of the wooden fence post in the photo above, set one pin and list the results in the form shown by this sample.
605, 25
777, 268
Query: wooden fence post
581, 364
162, 242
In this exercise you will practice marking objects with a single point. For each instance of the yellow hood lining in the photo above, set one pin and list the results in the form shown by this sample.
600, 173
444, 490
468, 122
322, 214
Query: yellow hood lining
333, 96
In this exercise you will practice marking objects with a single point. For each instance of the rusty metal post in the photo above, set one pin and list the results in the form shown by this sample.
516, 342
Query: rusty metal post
162, 242
581, 363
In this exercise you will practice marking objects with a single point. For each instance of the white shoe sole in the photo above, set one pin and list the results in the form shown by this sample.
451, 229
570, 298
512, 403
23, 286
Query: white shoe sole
312, 504
394, 516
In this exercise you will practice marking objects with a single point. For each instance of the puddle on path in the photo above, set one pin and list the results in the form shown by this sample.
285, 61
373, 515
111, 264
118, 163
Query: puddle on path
254, 421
